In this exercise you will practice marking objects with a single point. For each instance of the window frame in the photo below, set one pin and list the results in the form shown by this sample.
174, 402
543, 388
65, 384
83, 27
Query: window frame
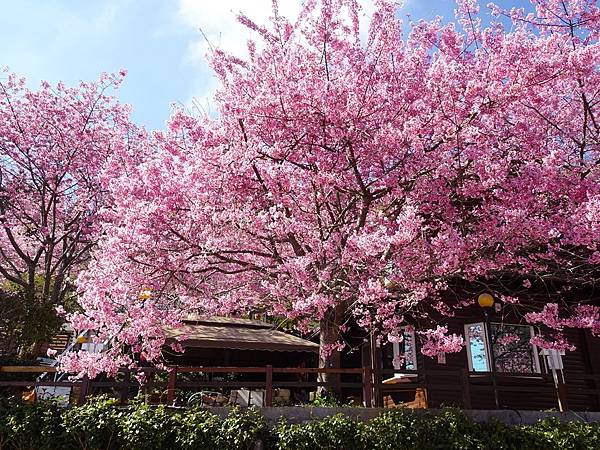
489, 350
400, 373
486, 346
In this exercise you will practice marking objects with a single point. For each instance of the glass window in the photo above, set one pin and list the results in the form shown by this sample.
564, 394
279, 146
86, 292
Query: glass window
477, 347
401, 355
512, 350
509, 345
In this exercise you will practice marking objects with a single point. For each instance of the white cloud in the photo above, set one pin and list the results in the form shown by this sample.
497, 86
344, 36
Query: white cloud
215, 22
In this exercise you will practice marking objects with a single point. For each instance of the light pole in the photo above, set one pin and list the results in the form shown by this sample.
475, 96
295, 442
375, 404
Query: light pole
486, 302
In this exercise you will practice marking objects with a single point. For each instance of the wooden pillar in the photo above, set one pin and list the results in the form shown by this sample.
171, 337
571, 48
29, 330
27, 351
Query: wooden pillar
269, 386
425, 385
375, 359
85, 386
561, 389
149, 375
367, 381
171, 386
466, 388
125, 389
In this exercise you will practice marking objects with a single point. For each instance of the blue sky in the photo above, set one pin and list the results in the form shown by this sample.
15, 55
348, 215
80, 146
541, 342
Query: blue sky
157, 41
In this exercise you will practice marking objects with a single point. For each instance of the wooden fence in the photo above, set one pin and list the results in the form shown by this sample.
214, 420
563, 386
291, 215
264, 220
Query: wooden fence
372, 386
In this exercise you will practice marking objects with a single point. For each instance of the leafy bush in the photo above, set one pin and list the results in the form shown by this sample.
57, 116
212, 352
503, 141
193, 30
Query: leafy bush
198, 430
397, 429
334, 432
449, 430
242, 429
552, 434
144, 427
93, 426
25, 427
326, 400
401, 429
99, 424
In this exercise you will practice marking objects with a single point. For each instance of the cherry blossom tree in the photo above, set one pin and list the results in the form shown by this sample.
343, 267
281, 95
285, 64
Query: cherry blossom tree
362, 177
54, 145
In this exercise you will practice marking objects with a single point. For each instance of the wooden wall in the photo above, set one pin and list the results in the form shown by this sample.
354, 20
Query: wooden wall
529, 392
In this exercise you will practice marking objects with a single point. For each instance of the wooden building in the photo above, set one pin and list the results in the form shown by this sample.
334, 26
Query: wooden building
498, 368
223, 341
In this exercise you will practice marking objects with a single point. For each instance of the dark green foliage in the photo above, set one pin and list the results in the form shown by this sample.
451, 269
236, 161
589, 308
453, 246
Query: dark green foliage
242, 429
94, 426
28, 317
144, 427
26, 427
198, 430
101, 425
335, 432
551, 434
451, 430
397, 429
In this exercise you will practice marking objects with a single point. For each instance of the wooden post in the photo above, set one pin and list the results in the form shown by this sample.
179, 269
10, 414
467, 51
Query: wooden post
171, 386
561, 390
125, 389
593, 361
368, 386
269, 386
149, 376
466, 388
425, 379
85, 386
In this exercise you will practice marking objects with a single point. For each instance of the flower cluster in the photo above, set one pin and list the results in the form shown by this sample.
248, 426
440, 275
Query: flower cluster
347, 176
438, 341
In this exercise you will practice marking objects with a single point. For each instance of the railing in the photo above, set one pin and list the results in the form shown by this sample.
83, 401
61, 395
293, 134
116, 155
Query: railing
371, 385
168, 388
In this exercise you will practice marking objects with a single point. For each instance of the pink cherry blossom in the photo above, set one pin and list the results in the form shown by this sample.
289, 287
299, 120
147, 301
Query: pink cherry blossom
347, 178
59, 148
438, 341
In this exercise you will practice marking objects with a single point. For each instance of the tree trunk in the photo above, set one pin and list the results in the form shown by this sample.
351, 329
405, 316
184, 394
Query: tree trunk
330, 359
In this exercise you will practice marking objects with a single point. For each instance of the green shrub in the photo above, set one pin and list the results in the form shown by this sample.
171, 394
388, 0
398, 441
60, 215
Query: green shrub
496, 435
99, 424
198, 430
397, 429
552, 434
93, 426
449, 430
25, 426
242, 429
404, 429
334, 432
144, 427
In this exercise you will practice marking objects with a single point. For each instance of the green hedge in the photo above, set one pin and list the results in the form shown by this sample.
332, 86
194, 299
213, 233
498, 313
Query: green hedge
101, 425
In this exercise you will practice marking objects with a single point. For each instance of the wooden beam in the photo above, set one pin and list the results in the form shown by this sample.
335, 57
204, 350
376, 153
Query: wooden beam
124, 394
27, 369
84, 388
171, 386
269, 386
368, 386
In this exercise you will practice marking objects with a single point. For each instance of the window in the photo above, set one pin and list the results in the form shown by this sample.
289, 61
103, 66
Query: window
509, 345
477, 347
401, 355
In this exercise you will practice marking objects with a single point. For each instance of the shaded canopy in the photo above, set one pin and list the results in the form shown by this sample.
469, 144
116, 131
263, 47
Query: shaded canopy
240, 334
